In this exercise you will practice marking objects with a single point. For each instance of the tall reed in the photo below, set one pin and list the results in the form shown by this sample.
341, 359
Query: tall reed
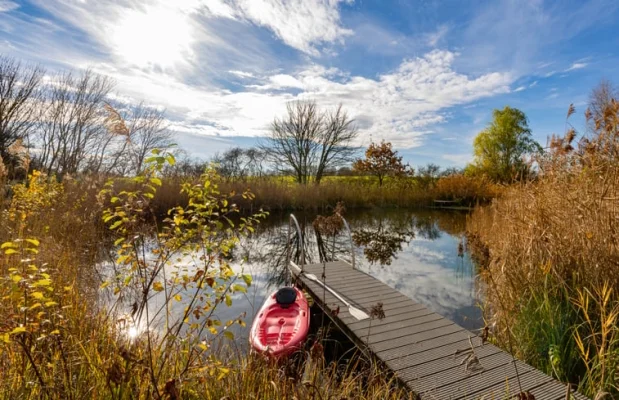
552, 251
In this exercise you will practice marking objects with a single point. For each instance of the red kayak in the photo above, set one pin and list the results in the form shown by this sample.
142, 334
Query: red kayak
281, 325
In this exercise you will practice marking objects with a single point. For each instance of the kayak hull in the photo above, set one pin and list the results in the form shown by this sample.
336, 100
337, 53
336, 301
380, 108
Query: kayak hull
280, 329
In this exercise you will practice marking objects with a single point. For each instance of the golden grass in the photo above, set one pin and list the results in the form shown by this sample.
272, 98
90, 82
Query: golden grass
552, 250
73, 348
275, 193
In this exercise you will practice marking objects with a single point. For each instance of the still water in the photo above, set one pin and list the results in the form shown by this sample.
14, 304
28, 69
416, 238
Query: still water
422, 254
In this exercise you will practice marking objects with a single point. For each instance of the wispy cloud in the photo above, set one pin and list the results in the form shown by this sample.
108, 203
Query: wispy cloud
520, 88
302, 24
7, 5
434, 38
576, 65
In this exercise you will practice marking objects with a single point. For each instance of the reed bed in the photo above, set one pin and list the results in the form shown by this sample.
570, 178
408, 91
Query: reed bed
277, 194
58, 341
551, 251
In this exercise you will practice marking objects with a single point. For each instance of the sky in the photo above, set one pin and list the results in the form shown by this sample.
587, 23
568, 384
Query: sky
422, 74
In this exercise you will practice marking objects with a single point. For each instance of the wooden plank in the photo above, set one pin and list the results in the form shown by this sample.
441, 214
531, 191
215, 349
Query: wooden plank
422, 348
431, 350
446, 370
551, 390
409, 331
414, 338
495, 382
404, 323
403, 313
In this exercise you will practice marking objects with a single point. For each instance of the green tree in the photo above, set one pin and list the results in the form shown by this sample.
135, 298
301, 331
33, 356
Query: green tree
500, 149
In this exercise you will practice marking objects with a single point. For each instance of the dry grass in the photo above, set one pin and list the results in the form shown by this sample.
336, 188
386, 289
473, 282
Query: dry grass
356, 192
72, 348
552, 249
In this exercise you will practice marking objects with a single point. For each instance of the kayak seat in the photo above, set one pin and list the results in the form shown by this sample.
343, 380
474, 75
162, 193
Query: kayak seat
286, 296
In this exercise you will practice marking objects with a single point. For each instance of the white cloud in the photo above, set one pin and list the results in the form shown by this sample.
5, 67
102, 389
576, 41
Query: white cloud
7, 5
400, 106
242, 74
576, 65
302, 24
520, 89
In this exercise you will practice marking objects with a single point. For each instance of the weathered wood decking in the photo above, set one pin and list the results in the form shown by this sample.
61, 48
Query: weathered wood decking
425, 351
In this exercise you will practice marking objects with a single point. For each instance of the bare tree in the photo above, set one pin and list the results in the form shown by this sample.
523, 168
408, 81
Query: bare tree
148, 130
20, 98
309, 141
72, 134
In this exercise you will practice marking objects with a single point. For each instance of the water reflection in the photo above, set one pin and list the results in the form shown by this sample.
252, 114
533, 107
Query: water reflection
420, 253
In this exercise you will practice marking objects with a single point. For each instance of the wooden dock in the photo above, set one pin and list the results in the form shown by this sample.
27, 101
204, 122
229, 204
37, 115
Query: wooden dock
434, 357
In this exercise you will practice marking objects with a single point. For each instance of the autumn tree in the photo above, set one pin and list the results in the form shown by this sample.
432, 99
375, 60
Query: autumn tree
310, 141
381, 160
501, 148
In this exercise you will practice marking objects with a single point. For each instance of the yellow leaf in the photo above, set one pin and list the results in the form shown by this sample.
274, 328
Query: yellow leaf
33, 242
178, 297
55, 332
8, 252
16, 278
43, 282
103, 285
157, 287
19, 329
7, 244
38, 295
50, 304
6, 338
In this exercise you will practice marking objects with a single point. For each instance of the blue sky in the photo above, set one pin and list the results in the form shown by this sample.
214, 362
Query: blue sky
423, 74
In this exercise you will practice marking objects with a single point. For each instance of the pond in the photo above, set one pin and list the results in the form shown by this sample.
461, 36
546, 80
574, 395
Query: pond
421, 253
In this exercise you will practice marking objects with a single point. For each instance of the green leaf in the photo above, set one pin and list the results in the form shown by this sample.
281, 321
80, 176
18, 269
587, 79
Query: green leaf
171, 160
247, 278
119, 241
114, 200
229, 335
155, 181
239, 288
228, 300
156, 151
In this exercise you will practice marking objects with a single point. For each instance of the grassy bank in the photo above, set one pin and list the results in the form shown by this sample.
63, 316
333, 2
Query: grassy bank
277, 193
57, 341
551, 251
